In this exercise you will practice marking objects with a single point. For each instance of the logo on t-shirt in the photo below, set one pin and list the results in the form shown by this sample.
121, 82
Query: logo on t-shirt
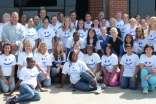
152, 37
149, 64
66, 35
31, 34
43, 61
128, 61
92, 62
107, 63
47, 34
73, 70
8, 62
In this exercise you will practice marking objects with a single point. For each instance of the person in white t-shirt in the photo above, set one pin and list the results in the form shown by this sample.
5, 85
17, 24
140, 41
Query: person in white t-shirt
31, 34
81, 29
151, 32
23, 20
26, 52
126, 24
88, 22
138, 19
129, 69
80, 76
101, 15
27, 83
73, 19
43, 63
109, 63
46, 35
140, 39
65, 31
144, 25
131, 30
148, 69
77, 47
60, 18
119, 21
96, 26
7, 68
93, 62
72, 40
92, 39
58, 58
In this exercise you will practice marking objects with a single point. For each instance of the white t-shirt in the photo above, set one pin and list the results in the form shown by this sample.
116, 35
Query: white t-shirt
119, 23
83, 34
1, 28
141, 43
98, 32
107, 24
152, 38
97, 46
22, 60
59, 61
124, 28
92, 60
74, 70
74, 25
59, 23
129, 63
81, 56
28, 76
31, 35
131, 31
70, 43
87, 26
46, 36
43, 60
26, 25
6, 63
109, 61
64, 35
56, 27
148, 61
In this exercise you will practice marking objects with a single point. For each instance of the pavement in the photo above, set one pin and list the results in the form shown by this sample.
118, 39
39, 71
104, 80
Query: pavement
110, 95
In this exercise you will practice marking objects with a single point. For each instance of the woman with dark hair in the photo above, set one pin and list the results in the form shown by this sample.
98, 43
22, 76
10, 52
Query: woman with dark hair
80, 76
148, 69
96, 26
80, 28
109, 63
92, 39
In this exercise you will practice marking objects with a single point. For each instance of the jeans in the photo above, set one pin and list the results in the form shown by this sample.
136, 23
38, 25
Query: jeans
126, 83
43, 80
53, 74
85, 83
151, 82
5, 87
28, 93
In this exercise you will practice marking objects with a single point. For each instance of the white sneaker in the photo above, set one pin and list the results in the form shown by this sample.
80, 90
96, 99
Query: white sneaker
145, 90
102, 85
98, 91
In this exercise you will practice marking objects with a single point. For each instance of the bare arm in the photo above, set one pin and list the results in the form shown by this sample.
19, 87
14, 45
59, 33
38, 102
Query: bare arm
144, 67
121, 71
63, 80
98, 68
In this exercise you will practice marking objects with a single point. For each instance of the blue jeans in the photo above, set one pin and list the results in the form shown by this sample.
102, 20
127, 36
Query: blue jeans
28, 93
53, 74
151, 82
126, 83
5, 87
85, 83
43, 80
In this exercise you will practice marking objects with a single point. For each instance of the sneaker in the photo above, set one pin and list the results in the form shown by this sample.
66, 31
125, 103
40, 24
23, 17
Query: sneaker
145, 90
98, 91
102, 85
9, 100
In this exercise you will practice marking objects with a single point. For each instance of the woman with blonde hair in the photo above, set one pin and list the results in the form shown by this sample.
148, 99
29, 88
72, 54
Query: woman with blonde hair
151, 32
58, 58
43, 63
26, 52
65, 31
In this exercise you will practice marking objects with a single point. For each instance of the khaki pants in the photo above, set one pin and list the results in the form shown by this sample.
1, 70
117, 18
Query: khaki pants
98, 74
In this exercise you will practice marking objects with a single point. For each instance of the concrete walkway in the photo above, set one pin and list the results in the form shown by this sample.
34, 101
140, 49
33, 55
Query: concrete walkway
114, 95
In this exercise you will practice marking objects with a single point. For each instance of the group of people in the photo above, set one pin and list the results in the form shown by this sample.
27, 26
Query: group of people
94, 53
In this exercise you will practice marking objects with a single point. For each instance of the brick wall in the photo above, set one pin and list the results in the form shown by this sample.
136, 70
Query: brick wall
95, 7
112, 6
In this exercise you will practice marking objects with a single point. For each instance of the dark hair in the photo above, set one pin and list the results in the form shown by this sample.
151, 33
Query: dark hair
23, 15
77, 43
92, 25
137, 16
90, 45
77, 28
60, 13
45, 19
94, 38
147, 46
88, 13
6, 45
29, 19
72, 12
132, 41
76, 33
143, 34
29, 58
53, 16
109, 46
127, 45
70, 54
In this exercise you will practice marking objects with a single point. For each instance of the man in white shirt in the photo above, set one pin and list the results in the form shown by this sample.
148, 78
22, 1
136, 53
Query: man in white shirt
101, 15
88, 22
119, 21
73, 19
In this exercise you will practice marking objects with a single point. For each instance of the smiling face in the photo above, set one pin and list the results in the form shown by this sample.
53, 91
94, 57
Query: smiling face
6, 19
31, 63
43, 48
77, 47
23, 19
45, 23
28, 47
91, 34
14, 18
139, 32
128, 39
76, 37
74, 56
80, 24
67, 22
89, 50
101, 15
42, 14
96, 23
88, 17
7, 49
133, 23
73, 16
149, 51
30, 22
114, 32
129, 50
54, 20
108, 51
103, 31
59, 46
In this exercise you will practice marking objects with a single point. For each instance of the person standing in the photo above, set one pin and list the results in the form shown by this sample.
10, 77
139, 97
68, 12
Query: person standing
36, 23
42, 15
